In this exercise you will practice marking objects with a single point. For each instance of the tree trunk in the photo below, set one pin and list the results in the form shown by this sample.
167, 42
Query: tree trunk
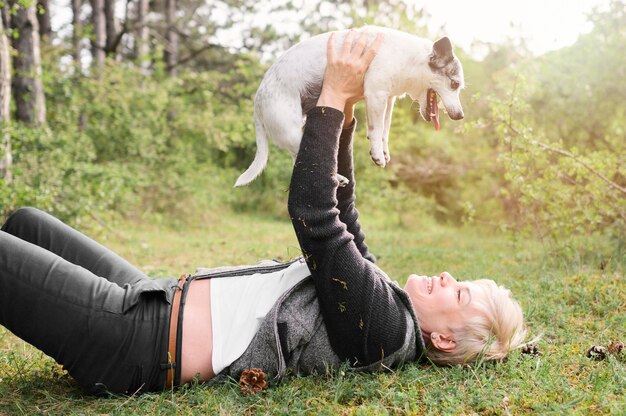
77, 32
99, 32
6, 16
5, 99
143, 46
43, 16
171, 38
111, 27
27, 86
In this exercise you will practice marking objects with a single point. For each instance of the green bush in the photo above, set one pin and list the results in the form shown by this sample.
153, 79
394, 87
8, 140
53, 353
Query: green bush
124, 141
537, 152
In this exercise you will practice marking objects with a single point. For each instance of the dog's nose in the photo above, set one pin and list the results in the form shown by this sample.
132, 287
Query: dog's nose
457, 116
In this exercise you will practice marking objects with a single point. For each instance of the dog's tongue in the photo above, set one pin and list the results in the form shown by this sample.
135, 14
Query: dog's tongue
431, 96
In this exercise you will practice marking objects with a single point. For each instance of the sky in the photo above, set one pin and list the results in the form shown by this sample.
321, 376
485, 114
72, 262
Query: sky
544, 24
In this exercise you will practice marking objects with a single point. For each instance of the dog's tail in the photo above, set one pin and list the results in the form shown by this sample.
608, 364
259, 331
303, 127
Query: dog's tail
260, 159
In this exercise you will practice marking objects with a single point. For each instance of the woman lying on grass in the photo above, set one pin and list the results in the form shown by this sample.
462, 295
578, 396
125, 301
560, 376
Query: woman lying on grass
117, 331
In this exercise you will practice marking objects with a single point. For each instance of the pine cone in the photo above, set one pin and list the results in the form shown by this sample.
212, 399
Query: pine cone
530, 348
596, 352
616, 347
252, 381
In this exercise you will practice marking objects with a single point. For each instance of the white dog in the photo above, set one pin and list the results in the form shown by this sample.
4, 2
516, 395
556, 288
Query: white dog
404, 64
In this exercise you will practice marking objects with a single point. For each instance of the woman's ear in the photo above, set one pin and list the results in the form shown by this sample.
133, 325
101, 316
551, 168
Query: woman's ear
445, 343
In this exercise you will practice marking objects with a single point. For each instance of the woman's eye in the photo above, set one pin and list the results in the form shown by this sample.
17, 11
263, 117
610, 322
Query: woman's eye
454, 84
458, 295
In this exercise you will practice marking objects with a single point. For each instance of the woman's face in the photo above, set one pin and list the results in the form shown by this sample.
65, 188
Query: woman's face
441, 303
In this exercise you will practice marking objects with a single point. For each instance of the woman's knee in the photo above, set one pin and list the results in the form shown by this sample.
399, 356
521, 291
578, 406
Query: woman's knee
21, 217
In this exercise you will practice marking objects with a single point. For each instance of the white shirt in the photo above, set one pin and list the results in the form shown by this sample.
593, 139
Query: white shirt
239, 305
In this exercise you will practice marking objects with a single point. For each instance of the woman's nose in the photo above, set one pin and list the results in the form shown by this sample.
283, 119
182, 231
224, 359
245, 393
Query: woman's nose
445, 278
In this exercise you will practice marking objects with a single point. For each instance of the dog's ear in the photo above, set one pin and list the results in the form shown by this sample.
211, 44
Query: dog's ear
443, 47
441, 54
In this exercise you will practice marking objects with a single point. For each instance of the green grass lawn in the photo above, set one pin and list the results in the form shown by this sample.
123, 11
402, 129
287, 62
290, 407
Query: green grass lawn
575, 301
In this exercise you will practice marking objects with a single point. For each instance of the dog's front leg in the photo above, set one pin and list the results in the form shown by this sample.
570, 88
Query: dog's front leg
376, 106
388, 111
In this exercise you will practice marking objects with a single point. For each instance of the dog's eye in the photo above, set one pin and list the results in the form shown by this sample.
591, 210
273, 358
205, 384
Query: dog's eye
454, 84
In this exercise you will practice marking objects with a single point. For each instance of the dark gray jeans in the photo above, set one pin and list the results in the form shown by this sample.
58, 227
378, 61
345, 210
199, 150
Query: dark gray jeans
101, 318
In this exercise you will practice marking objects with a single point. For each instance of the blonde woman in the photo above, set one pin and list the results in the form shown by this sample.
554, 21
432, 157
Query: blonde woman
117, 331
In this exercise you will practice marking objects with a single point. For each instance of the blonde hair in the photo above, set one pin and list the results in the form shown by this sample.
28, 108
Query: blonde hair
492, 333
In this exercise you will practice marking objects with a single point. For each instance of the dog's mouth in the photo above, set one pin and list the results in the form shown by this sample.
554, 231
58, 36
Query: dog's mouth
432, 109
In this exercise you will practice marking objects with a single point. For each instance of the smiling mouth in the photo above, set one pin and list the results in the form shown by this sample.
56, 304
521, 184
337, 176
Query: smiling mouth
432, 109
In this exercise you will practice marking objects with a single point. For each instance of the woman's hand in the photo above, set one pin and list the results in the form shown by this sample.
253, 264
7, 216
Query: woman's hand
345, 71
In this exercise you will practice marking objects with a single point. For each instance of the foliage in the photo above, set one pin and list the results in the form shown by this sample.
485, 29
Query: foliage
57, 173
560, 191
123, 140
543, 149
562, 137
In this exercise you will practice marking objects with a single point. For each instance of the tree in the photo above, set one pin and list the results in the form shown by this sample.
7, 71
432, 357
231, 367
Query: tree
111, 28
27, 86
6, 16
77, 31
171, 38
98, 42
43, 16
5, 99
143, 34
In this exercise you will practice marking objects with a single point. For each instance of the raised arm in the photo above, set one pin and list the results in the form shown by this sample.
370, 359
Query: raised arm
363, 315
346, 195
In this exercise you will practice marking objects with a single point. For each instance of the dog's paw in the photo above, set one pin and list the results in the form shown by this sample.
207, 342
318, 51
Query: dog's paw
387, 156
386, 151
378, 158
343, 181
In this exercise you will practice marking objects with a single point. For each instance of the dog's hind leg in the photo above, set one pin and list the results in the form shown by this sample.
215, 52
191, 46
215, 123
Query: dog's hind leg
278, 120
292, 132
283, 120
343, 181
388, 111
288, 135
376, 109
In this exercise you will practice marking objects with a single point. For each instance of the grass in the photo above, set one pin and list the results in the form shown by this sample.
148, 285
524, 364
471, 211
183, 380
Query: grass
576, 301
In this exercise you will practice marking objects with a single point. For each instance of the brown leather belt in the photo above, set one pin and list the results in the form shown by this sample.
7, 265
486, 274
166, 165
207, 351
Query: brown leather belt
172, 359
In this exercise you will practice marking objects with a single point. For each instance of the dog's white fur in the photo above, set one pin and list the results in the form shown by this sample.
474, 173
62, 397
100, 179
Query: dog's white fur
404, 64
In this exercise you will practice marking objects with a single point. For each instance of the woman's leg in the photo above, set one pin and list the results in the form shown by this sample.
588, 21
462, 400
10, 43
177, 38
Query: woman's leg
62, 309
46, 231
51, 303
